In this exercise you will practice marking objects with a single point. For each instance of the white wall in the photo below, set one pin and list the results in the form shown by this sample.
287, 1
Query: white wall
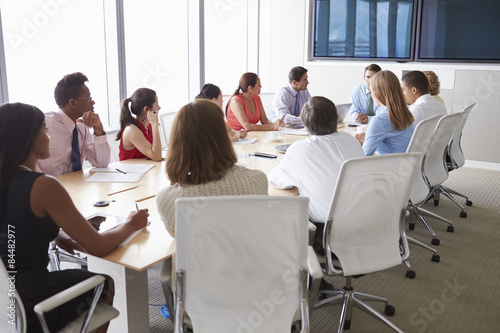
284, 28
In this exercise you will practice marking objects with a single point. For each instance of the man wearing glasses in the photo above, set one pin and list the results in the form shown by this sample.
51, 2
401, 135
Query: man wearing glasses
71, 141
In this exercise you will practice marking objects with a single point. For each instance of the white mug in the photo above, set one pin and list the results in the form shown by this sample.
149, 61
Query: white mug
273, 135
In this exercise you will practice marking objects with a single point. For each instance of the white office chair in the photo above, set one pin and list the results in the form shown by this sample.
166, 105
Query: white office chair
166, 121
419, 142
242, 263
435, 169
365, 226
96, 316
456, 158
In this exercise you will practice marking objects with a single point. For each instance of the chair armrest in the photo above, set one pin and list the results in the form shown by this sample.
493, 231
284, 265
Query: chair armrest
316, 274
68, 294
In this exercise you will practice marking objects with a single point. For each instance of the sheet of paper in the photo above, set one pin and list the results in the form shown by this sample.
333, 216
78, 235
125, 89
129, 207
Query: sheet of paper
246, 141
125, 167
115, 177
294, 131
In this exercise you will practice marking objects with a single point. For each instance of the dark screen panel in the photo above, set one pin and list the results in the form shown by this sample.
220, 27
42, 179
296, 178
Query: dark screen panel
459, 30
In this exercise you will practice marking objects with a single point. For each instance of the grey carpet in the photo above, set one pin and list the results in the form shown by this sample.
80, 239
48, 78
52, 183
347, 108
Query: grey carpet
459, 294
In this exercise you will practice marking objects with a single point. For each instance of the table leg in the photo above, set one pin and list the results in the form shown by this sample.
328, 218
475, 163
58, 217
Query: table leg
131, 295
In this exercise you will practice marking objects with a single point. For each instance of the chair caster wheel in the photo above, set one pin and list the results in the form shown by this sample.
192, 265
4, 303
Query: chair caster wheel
390, 310
468, 203
436, 258
463, 214
436, 202
347, 325
410, 274
411, 226
450, 228
435, 241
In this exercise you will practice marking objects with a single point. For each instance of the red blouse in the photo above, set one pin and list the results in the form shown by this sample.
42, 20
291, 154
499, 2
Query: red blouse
135, 153
233, 122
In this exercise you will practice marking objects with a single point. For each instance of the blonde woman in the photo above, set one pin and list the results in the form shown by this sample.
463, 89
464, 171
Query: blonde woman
390, 130
434, 86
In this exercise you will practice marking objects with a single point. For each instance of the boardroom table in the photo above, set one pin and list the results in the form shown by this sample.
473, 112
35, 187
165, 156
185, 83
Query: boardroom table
128, 265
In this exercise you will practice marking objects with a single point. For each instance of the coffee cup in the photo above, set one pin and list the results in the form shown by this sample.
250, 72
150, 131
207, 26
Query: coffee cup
273, 135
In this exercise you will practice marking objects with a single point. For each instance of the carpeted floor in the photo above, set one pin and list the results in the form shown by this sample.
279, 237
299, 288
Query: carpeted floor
461, 293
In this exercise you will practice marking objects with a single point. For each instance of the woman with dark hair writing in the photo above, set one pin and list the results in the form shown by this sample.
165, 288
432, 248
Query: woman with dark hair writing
38, 209
245, 109
139, 134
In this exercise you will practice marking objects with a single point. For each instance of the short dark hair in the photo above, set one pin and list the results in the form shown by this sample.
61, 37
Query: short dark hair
70, 86
296, 73
319, 116
373, 68
418, 80
209, 91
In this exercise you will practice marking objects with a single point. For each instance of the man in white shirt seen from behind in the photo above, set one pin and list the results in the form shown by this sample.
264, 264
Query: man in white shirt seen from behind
312, 165
363, 108
289, 100
71, 141
416, 90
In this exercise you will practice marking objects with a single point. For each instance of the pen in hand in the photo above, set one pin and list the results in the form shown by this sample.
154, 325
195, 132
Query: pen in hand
136, 206
121, 171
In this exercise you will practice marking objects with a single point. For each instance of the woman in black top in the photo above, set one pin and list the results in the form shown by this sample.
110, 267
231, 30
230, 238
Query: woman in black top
33, 208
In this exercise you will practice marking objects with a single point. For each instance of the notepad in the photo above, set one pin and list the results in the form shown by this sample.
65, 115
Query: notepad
246, 141
119, 173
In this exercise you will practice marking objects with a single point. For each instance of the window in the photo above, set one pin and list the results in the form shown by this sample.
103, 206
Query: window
156, 48
44, 41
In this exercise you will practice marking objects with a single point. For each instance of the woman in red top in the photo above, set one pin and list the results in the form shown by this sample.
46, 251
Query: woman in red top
245, 109
139, 135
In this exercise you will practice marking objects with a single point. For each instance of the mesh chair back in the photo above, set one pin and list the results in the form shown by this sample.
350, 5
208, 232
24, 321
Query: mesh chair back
435, 169
365, 217
455, 149
14, 317
419, 143
241, 256
166, 121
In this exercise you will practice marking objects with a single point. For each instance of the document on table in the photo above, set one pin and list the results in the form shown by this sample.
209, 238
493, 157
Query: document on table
294, 131
119, 173
103, 222
246, 141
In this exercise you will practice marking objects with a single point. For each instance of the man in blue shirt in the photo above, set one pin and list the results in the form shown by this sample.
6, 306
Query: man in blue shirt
288, 101
363, 108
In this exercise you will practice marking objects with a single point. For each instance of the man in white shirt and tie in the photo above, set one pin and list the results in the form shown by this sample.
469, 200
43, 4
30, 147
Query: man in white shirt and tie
288, 101
363, 108
416, 90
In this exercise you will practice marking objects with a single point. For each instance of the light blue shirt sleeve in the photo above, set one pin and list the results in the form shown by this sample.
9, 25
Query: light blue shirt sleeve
284, 104
359, 100
374, 136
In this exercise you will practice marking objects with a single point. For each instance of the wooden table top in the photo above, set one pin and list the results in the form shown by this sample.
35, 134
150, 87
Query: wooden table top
155, 244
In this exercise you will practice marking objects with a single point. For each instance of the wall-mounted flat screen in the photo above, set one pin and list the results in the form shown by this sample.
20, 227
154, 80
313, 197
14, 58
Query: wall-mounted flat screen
459, 30
364, 29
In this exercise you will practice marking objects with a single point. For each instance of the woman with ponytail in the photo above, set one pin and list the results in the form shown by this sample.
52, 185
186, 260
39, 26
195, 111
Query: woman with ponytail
139, 134
245, 110
212, 92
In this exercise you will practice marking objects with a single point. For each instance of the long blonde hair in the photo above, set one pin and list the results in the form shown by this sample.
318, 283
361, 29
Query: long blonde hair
199, 149
386, 88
